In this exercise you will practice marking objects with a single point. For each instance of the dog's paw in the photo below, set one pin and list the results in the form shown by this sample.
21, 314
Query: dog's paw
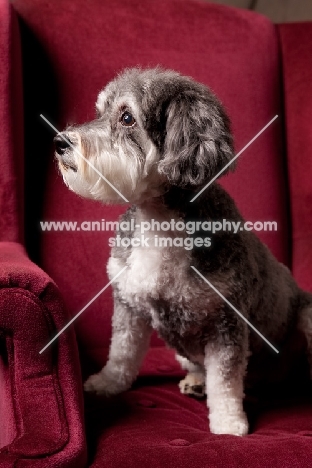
193, 385
220, 424
100, 384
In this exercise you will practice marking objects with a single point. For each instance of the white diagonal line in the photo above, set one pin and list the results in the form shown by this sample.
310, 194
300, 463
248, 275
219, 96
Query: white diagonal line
235, 310
232, 160
86, 160
82, 310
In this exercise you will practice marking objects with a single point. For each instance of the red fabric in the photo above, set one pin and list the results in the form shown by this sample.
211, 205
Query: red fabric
296, 42
11, 134
71, 50
154, 426
45, 405
41, 400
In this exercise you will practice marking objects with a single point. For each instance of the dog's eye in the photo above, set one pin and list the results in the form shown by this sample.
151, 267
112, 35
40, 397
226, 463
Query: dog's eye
127, 119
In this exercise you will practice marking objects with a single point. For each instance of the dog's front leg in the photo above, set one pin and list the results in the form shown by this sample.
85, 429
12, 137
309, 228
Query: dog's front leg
129, 343
225, 369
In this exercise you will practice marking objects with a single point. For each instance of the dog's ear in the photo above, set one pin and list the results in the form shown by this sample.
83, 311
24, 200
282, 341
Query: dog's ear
198, 141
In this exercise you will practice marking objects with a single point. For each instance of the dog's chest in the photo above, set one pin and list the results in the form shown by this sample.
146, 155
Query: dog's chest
155, 286
157, 269
152, 273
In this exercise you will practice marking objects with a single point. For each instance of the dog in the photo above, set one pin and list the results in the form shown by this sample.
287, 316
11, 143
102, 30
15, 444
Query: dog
158, 138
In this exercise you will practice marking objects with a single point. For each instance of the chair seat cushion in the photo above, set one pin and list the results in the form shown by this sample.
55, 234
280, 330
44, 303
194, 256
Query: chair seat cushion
154, 425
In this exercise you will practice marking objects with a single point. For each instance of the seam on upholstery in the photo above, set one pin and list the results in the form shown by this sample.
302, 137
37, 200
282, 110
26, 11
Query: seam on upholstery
55, 381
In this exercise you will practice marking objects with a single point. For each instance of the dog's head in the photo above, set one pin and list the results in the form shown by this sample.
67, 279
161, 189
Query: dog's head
154, 129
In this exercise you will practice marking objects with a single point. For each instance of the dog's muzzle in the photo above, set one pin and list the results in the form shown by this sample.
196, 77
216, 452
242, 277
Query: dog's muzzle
63, 149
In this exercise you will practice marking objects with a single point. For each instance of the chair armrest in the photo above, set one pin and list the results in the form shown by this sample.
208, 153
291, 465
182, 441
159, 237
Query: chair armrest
45, 398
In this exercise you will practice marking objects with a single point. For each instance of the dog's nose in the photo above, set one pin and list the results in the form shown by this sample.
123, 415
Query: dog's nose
62, 143
197, 388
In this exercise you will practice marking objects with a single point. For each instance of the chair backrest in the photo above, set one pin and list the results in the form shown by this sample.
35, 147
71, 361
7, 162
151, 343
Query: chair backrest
11, 124
296, 46
72, 49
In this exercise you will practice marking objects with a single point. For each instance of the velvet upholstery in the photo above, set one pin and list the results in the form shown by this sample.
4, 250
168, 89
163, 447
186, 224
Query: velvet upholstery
43, 408
11, 119
70, 50
296, 43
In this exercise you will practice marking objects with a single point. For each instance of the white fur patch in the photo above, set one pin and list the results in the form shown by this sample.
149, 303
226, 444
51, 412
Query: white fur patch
224, 396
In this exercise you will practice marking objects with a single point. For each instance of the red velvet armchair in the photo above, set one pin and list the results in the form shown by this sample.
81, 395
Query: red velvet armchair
54, 58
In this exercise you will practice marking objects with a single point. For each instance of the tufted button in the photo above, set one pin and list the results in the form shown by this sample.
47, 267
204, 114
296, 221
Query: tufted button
146, 403
164, 368
179, 443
